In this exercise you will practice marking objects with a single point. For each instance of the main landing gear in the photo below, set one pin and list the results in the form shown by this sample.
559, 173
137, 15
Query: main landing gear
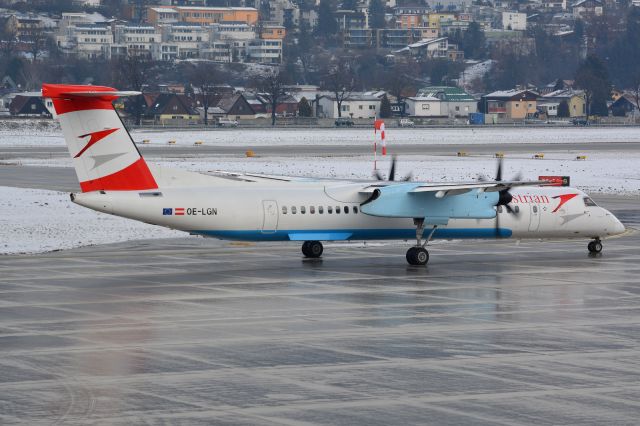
418, 255
595, 246
312, 249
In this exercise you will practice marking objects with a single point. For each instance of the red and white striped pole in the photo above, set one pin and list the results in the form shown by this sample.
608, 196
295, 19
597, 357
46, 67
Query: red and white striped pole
378, 125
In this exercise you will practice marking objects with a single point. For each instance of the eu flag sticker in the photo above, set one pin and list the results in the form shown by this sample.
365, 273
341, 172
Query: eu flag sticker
167, 212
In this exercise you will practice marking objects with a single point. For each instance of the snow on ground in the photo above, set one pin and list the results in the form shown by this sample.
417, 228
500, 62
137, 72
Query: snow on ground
360, 136
600, 172
35, 220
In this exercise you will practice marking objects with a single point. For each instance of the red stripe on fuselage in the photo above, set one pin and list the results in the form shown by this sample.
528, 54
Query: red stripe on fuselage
135, 177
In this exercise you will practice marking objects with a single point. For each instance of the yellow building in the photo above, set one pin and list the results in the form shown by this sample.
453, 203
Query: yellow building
435, 18
273, 32
514, 104
574, 98
201, 15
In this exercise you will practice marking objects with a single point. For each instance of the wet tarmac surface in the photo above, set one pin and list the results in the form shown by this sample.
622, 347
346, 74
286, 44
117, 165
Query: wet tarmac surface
196, 331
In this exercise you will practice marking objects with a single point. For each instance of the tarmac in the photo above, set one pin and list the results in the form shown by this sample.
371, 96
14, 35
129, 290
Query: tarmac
197, 331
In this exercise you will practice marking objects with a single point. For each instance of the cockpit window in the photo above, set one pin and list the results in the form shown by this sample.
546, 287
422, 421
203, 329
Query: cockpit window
589, 202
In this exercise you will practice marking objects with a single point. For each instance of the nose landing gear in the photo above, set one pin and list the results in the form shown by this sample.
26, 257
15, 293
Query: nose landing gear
595, 246
312, 249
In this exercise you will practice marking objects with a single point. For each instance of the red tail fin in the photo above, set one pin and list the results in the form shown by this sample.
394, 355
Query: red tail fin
103, 153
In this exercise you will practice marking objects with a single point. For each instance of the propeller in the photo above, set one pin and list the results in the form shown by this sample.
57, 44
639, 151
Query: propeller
504, 197
392, 173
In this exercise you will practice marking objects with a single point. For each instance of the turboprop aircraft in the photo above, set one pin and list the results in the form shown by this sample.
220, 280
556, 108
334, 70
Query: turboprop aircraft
115, 179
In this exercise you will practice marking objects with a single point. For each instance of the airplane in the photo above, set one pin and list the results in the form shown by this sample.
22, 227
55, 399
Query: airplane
114, 178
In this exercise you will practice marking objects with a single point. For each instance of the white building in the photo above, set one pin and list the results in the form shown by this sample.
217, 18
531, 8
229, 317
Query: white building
218, 51
429, 48
135, 39
181, 41
264, 51
514, 21
423, 106
232, 31
281, 11
87, 41
356, 105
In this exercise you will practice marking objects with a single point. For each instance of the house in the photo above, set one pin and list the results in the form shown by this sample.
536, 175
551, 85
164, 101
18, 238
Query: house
455, 102
170, 108
515, 104
583, 8
28, 106
574, 98
237, 106
287, 105
624, 105
514, 21
356, 105
434, 48
423, 106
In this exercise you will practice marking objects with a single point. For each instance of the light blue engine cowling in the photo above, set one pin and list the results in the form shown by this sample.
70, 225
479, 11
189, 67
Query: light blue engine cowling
399, 201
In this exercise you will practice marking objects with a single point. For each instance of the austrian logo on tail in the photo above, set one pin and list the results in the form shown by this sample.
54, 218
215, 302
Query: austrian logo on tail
95, 138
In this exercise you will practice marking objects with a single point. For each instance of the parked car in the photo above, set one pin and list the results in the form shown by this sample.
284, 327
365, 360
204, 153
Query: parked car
226, 122
580, 122
343, 121
405, 122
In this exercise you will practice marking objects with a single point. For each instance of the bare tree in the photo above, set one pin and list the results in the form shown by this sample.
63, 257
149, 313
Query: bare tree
400, 79
204, 77
8, 39
635, 91
133, 73
271, 87
37, 42
339, 79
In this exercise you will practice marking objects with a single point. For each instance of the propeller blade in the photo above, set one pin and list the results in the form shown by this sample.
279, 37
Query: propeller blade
392, 172
509, 209
497, 229
499, 172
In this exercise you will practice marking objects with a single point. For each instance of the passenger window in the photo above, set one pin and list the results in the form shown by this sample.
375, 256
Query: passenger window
499, 209
320, 209
337, 209
355, 210
303, 210
346, 209
329, 210
293, 209
312, 209
284, 209
535, 209
589, 202
516, 209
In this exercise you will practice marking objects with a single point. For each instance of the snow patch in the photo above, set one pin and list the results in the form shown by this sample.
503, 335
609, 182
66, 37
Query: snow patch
36, 220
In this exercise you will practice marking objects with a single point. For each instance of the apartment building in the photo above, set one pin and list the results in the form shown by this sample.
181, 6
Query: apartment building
201, 15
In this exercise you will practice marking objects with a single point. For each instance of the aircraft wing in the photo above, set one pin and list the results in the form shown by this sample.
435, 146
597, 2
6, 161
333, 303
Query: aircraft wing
437, 202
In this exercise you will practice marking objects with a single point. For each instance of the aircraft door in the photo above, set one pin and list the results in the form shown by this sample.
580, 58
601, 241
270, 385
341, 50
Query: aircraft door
534, 217
270, 216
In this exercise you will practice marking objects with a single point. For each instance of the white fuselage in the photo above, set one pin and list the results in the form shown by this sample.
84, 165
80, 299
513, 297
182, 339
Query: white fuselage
325, 211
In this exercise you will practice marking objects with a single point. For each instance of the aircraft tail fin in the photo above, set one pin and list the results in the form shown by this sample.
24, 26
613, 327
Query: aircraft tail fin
104, 154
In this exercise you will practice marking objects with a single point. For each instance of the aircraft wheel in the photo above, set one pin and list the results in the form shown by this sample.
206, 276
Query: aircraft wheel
417, 256
305, 248
312, 249
595, 246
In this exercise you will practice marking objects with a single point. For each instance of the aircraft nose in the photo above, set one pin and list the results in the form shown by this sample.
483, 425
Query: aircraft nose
618, 227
